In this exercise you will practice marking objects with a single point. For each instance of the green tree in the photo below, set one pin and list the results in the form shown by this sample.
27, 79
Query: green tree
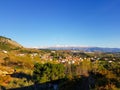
47, 72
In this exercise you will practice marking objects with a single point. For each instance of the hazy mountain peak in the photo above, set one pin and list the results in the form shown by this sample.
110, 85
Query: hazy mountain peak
82, 48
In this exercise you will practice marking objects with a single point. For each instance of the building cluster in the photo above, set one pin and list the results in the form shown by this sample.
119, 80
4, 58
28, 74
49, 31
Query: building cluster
69, 59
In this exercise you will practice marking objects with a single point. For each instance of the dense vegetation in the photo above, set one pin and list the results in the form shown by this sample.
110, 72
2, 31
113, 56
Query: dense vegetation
48, 72
99, 75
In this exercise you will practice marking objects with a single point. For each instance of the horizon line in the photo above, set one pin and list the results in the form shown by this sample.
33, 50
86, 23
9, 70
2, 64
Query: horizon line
58, 46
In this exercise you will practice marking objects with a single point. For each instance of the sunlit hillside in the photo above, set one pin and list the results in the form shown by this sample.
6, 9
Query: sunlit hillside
26, 68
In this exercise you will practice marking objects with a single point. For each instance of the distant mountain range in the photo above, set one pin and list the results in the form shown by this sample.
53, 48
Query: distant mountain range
9, 44
85, 49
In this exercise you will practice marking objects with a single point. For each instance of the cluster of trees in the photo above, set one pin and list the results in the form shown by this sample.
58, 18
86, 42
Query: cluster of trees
105, 75
62, 74
48, 72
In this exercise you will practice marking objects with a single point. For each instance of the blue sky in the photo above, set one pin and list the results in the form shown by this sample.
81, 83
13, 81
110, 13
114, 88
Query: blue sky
61, 22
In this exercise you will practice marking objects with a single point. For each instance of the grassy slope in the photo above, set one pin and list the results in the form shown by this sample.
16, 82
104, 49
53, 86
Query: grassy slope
15, 63
8, 44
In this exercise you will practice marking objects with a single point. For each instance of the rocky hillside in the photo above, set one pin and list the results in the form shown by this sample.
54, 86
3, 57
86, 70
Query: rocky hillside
8, 44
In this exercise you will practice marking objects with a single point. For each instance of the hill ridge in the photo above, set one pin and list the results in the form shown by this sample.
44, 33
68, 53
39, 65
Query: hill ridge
8, 44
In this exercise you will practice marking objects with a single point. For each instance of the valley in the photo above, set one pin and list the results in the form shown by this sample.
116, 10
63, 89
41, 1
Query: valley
49, 69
